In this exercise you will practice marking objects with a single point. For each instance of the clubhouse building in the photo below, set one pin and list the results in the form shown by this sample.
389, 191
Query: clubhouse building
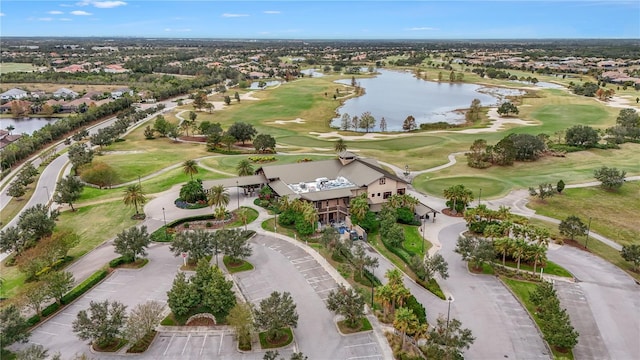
328, 184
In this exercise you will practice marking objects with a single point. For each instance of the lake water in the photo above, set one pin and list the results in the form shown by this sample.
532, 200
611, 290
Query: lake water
312, 73
395, 95
256, 84
26, 125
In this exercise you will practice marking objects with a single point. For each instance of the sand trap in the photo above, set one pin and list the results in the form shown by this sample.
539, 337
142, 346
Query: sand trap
284, 122
365, 136
621, 101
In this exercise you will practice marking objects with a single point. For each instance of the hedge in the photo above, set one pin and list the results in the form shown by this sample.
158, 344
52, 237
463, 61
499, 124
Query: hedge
401, 252
50, 309
84, 286
419, 310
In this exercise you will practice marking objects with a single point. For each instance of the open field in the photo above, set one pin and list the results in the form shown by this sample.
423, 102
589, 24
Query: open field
611, 213
8, 67
51, 87
496, 181
228, 163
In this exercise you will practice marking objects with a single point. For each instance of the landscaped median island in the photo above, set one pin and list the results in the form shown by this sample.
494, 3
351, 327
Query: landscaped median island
500, 244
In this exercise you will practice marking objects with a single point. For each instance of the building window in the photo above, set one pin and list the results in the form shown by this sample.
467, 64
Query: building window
400, 191
378, 194
382, 181
373, 195
387, 194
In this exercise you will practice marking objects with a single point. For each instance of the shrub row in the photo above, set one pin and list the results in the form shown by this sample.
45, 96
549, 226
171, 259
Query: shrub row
401, 252
70, 296
417, 308
262, 159
84, 286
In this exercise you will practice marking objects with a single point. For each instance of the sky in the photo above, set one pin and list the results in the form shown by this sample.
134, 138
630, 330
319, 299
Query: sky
328, 19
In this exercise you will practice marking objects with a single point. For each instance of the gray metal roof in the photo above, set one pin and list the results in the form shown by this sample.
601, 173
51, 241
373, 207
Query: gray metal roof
326, 194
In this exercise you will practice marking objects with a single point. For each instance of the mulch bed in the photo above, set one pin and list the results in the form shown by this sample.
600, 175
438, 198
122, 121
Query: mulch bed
203, 321
201, 139
449, 212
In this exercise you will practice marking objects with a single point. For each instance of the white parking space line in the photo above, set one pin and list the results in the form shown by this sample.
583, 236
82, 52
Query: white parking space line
302, 260
366, 344
61, 324
313, 268
329, 289
220, 347
365, 357
203, 342
168, 345
185, 344
45, 332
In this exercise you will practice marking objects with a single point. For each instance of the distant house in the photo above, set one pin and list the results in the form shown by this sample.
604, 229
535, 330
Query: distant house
23, 105
13, 94
120, 92
65, 93
7, 138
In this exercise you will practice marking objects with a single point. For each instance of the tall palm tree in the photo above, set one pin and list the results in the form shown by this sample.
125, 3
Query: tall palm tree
133, 195
310, 214
406, 322
218, 196
539, 253
458, 194
358, 207
243, 215
503, 245
244, 168
190, 167
340, 145
519, 249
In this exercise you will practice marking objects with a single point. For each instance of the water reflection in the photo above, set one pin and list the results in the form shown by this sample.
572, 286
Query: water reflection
395, 95
26, 125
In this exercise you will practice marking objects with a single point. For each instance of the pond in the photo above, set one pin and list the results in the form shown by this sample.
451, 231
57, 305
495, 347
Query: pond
26, 125
256, 84
395, 95
312, 73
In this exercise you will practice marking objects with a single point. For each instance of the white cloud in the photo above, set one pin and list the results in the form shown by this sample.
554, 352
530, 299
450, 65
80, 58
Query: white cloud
66, 5
55, 12
234, 15
423, 28
272, 12
80, 13
101, 4
2, 14
108, 4
64, 19
45, 19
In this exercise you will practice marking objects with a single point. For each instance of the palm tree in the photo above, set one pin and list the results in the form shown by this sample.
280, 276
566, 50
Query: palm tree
519, 249
190, 167
10, 128
244, 168
458, 194
539, 253
243, 215
340, 145
133, 194
406, 322
503, 245
284, 203
310, 214
358, 207
218, 196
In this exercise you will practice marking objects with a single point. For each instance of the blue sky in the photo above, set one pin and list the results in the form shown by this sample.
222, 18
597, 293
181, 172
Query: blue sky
302, 19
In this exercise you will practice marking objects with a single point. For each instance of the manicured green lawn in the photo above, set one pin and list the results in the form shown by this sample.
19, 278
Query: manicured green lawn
155, 185
229, 163
550, 268
7, 67
96, 223
235, 268
497, 181
413, 240
287, 338
610, 211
